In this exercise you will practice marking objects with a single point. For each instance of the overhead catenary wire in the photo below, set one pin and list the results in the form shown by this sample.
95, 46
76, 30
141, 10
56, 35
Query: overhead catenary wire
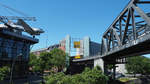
12, 9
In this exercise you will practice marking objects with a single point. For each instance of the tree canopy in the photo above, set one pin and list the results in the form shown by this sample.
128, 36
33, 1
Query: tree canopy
138, 65
58, 57
48, 60
33, 59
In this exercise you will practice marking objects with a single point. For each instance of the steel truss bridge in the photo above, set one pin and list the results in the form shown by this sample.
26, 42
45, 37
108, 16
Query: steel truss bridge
128, 35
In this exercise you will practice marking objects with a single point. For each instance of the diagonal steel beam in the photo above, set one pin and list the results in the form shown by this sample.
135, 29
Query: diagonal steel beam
120, 29
121, 14
133, 23
112, 33
126, 27
109, 40
142, 14
117, 37
104, 45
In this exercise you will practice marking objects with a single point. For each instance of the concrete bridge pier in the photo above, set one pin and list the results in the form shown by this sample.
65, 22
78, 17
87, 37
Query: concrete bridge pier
99, 62
103, 64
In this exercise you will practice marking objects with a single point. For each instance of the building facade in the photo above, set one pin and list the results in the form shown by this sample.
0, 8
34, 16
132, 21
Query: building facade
80, 46
15, 49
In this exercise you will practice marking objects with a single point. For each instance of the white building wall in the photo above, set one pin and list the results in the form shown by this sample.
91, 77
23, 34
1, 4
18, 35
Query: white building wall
121, 68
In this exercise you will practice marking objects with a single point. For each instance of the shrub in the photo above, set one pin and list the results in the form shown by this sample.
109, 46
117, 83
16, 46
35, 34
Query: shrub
94, 76
54, 78
88, 76
4, 72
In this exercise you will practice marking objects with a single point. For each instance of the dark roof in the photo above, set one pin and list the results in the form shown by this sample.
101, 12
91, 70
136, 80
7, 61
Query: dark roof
53, 46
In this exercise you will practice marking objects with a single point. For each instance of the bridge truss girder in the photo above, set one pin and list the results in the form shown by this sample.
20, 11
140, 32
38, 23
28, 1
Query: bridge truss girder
127, 29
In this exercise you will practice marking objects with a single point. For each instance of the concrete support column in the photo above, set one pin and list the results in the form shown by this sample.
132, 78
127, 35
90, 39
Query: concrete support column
99, 62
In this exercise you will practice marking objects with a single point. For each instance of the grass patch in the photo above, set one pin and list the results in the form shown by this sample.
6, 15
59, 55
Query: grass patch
125, 79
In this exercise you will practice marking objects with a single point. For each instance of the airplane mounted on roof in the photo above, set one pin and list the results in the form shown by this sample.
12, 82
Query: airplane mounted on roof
28, 29
22, 26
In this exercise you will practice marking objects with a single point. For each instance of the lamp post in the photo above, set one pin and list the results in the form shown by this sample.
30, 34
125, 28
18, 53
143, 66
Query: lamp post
12, 68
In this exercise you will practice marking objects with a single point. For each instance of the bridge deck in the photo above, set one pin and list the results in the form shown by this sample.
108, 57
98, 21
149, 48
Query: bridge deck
133, 48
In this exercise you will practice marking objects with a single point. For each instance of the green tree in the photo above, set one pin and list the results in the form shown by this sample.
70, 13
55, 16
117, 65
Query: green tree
32, 59
58, 58
138, 65
33, 62
43, 63
49, 60
145, 66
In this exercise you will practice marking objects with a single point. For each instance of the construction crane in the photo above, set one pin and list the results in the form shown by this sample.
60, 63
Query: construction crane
20, 25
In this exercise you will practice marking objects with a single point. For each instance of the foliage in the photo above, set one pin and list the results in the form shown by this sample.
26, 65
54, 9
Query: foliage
33, 62
4, 72
40, 63
58, 57
33, 59
54, 78
88, 76
109, 66
138, 65
44, 61
94, 76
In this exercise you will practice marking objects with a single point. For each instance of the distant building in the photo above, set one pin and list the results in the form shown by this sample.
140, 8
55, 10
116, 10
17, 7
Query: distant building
85, 48
52, 47
80, 46
37, 52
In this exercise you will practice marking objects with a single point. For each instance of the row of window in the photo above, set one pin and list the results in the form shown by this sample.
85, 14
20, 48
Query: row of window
11, 49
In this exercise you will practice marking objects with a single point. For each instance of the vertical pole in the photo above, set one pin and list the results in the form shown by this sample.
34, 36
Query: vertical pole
114, 72
105, 68
11, 73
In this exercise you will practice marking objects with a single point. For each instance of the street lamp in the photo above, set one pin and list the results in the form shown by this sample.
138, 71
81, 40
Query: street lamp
12, 67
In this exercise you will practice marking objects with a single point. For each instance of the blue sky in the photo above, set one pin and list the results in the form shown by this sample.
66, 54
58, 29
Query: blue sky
78, 18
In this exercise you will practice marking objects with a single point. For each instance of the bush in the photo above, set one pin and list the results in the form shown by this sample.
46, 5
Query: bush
88, 76
94, 76
54, 78
4, 72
